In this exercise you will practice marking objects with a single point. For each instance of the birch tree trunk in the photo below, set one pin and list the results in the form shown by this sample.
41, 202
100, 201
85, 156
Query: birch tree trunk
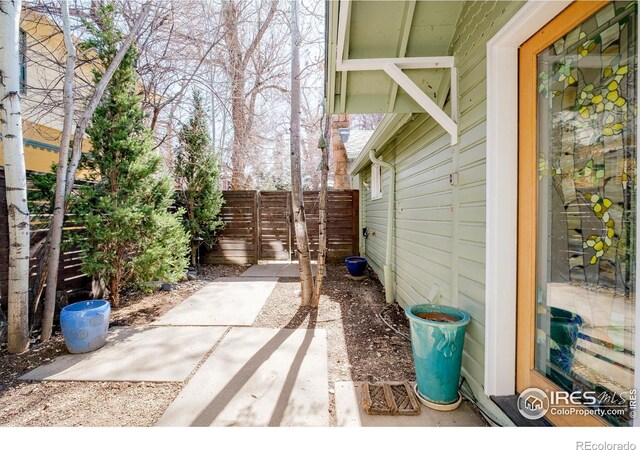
55, 230
61, 177
15, 176
322, 213
300, 221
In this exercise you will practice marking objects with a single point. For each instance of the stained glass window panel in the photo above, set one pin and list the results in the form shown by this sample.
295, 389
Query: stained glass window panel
586, 245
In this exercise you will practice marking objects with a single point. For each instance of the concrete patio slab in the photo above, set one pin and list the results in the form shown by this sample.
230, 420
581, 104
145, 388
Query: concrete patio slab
283, 270
258, 377
136, 354
226, 301
349, 413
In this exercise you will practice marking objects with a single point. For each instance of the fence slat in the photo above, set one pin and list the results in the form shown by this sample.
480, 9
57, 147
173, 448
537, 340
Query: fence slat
262, 220
70, 279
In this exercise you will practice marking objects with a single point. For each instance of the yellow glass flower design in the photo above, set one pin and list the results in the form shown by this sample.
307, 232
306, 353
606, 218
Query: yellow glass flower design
594, 100
600, 244
591, 172
586, 48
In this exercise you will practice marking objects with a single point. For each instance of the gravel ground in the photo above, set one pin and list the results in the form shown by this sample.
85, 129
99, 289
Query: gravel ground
63, 403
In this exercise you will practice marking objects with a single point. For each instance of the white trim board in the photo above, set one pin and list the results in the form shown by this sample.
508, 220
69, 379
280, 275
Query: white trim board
502, 188
393, 68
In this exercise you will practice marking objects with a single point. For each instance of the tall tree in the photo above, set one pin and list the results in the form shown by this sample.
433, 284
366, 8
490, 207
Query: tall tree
15, 177
197, 175
129, 235
65, 180
61, 173
242, 52
300, 220
322, 216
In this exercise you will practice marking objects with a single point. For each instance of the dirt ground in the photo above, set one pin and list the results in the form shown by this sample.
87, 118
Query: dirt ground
360, 346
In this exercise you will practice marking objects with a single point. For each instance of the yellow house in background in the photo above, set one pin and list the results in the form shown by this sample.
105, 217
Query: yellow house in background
42, 54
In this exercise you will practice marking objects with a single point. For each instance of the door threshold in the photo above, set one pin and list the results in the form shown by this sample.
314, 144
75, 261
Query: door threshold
508, 404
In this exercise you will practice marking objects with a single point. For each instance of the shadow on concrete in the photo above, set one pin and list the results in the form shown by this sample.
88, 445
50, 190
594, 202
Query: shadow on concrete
231, 389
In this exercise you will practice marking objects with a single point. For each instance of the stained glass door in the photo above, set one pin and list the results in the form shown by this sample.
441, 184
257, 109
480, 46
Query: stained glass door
577, 245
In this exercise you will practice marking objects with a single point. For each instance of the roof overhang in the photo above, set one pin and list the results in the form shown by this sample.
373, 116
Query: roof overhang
364, 36
392, 57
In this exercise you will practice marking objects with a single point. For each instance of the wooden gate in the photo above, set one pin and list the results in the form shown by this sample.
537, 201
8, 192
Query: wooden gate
259, 227
274, 225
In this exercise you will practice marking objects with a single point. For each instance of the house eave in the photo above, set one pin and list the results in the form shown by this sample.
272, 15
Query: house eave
392, 58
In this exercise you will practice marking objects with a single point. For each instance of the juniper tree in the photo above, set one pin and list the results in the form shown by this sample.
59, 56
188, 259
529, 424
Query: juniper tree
197, 176
129, 235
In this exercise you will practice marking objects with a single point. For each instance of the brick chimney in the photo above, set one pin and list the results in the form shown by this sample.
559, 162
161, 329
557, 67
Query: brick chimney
339, 158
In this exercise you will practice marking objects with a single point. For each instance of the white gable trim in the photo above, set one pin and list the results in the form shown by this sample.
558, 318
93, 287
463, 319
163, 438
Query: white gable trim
502, 188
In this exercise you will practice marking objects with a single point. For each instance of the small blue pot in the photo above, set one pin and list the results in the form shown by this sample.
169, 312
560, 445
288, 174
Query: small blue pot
85, 325
437, 350
356, 265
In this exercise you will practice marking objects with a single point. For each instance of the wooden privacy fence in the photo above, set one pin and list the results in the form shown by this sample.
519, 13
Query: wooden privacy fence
259, 226
70, 279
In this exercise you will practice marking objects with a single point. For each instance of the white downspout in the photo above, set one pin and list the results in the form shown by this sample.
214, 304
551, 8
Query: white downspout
388, 275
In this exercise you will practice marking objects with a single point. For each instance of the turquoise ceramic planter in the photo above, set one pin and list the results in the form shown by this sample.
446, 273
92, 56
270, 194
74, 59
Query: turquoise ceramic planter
437, 351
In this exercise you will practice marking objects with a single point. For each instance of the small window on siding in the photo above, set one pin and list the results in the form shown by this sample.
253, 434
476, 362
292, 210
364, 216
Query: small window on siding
376, 182
23, 62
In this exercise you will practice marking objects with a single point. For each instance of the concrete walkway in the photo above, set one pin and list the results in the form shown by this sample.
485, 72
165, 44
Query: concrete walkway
136, 354
253, 377
282, 270
226, 301
258, 377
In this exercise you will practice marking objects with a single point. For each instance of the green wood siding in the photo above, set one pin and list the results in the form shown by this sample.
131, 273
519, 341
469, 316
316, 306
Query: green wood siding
440, 229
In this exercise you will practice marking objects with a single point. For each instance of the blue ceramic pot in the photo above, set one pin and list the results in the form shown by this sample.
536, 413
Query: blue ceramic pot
437, 349
356, 265
85, 325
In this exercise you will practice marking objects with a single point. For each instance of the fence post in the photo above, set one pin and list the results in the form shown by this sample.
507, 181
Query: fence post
290, 224
256, 229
